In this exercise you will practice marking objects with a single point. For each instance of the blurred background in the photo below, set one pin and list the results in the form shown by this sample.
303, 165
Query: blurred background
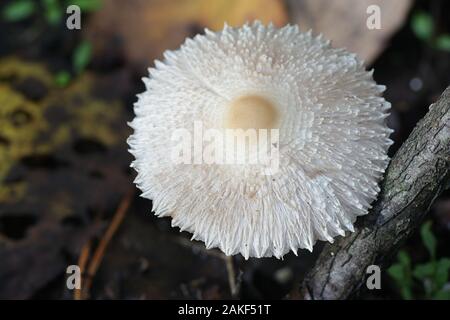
66, 192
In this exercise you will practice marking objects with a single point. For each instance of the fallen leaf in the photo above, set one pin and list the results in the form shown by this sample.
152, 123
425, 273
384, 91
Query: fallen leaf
146, 29
344, 22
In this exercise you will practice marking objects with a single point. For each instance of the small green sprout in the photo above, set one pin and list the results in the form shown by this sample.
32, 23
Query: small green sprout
81, 56
432, 276
422, 25
19, 10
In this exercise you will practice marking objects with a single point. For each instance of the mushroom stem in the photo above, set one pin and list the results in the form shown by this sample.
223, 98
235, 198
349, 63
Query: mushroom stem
231, 275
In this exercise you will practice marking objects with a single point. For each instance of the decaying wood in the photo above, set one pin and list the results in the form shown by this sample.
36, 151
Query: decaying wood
417, 174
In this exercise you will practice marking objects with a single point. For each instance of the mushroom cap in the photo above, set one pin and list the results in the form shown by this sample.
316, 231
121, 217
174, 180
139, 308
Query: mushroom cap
333, 139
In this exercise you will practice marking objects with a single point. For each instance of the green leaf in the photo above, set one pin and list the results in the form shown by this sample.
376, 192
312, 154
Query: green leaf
406, 293
62, 78
401, 273
53, 11
404, 259
18, 10
441, 274
82, 56
422, 25
86, 5
429, 288
443, 294
443, 42
424, 271
397, 272
428, 239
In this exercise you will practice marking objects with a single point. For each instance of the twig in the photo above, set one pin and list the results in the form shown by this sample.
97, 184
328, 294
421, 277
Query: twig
416, 176
104, 241
82, 261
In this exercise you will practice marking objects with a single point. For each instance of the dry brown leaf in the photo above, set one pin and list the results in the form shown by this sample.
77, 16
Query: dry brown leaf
344, 22
146, 29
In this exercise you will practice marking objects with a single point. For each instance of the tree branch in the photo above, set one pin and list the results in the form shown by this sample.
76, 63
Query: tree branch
417, 174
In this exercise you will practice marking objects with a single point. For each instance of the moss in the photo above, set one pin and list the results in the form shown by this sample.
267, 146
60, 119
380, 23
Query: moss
93, 118
13, 69
42, 127
21, 121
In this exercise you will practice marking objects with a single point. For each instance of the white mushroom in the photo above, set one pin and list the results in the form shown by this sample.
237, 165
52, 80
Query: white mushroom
333, 139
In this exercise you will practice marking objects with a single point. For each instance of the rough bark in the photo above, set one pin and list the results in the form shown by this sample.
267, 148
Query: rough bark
417, 174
